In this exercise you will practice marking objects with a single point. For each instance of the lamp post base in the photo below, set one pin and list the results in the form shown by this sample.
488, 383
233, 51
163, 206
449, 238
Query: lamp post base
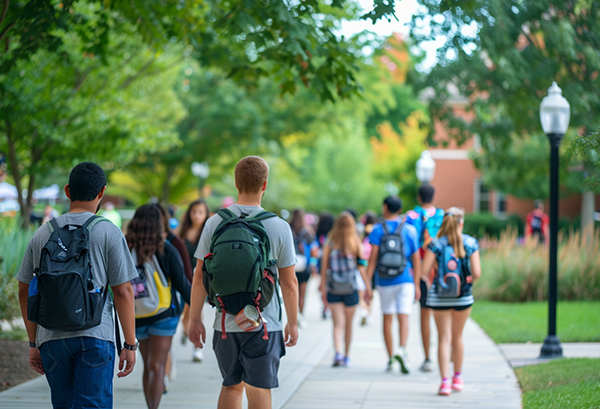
551, 347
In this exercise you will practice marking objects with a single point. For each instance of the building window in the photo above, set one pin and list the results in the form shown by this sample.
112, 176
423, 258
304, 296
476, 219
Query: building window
500, 205
482, 197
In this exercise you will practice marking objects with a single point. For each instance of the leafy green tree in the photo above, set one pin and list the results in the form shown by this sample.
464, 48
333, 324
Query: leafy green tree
502, 56
62, 107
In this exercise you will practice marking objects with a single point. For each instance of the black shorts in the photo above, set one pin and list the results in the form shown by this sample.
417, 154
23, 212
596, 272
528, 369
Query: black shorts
423, 298
303, 276
349, 300
247, 357
458, 308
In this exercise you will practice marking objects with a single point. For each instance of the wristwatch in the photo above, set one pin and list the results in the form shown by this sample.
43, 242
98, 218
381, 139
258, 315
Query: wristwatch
32, 345
131, 347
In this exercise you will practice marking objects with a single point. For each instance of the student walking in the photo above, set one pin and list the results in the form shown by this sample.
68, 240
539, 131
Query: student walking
76, 351
427, 219
191, 228
342, 262
247, 351
161, 273
457, 257
305, 251
396, 264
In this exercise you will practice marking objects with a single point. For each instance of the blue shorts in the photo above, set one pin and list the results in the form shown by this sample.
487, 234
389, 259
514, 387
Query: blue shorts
350, 300
162, 328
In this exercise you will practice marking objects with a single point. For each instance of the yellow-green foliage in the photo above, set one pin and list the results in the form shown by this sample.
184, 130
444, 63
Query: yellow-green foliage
518, 271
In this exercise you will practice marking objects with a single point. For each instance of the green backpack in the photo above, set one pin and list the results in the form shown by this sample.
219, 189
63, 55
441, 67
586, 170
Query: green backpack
237, 271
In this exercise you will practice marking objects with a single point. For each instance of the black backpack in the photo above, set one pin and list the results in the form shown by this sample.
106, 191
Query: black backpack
238, 272
391, 260
63, 295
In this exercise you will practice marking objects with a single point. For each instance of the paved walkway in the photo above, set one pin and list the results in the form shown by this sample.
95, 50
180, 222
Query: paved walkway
307, 379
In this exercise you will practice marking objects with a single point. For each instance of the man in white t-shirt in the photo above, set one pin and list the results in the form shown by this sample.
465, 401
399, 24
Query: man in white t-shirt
246, 360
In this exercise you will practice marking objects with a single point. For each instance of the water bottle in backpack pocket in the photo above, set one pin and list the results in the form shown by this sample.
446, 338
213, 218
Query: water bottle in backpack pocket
151, 289
63, 295
453, 275
341, 275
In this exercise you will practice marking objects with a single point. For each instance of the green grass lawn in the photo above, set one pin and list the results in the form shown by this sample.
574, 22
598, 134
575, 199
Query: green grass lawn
564, 383
577, 321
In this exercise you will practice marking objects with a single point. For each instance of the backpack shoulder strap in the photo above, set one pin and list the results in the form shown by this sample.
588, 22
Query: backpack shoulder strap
384, 226
92, 221
53, 226
264, 215
226, 214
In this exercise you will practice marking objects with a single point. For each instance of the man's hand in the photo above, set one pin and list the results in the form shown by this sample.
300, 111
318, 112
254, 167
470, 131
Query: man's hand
197, 333
35, 360
368, 295
417, 293
290, 335
127, 361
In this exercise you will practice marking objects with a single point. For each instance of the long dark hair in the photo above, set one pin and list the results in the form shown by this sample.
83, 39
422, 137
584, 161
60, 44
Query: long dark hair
145, 232
186, 222
297, 221
325, 224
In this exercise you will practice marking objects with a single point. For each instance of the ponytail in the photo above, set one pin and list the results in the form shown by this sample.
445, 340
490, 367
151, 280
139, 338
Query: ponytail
450, 228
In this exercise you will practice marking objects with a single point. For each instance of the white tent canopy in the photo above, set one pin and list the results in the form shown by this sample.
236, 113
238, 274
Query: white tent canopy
47, 193
8, 191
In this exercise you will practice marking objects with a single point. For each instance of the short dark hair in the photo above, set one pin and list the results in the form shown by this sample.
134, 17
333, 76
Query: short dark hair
426, 193
393, 203
85, 182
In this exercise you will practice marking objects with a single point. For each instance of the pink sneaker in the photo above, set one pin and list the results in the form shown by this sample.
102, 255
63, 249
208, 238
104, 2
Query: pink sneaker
446, 388
457, 383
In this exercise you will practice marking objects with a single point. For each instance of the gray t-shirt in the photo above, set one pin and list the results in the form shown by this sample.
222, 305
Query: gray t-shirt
282, 250
112, 265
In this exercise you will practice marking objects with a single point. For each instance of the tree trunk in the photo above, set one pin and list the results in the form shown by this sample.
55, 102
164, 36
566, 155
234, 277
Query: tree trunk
166, 187
588, 207
14, 167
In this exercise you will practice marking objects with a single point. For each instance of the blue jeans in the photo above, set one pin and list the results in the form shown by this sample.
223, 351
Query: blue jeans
80, 372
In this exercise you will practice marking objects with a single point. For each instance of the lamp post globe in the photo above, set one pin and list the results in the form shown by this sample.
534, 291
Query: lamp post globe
425, 168
201, 171
555, 114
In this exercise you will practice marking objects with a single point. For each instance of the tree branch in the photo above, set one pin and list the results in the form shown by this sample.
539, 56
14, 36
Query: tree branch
138, 74
4, 11
6, 30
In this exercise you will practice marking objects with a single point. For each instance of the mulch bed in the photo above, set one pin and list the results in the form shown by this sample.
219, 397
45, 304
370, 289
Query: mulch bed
14, 364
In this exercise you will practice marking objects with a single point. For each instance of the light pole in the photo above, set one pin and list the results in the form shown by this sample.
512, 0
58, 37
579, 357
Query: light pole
554, 116
201, 171
425, 168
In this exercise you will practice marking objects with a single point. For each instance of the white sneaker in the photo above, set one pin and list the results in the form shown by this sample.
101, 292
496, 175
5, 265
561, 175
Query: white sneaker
426, 366
301, 321
390, 365
402, 358
197, 355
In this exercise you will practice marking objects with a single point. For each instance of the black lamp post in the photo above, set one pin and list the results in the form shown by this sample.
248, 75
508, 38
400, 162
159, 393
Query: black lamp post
554, 115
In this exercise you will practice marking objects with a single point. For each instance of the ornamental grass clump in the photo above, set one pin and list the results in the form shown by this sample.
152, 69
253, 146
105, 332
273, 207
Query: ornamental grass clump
515, 270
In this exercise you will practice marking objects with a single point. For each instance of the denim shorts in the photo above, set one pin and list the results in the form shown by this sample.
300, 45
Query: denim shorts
79, 371
349, 300
162, 328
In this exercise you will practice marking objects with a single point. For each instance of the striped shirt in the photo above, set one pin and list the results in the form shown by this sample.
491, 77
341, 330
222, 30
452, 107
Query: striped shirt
437, 247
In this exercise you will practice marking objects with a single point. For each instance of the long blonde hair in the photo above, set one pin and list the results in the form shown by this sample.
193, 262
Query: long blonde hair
344, 237
451, 228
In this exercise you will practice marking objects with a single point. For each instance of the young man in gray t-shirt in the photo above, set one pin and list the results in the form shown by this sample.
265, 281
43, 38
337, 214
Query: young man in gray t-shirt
246, 360
79, 365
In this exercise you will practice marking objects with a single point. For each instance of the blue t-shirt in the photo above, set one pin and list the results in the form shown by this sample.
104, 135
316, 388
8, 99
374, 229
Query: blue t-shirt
411, 244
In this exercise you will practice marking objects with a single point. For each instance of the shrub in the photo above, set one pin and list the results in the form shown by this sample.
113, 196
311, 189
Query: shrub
13, 243
518, 271
482, 225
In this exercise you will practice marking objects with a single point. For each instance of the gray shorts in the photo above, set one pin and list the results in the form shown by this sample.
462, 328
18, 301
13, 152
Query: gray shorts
247, 357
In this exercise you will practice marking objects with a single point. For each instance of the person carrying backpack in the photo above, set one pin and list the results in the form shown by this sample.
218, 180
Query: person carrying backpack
245, 256
396, 265
157, 310
457, 257
342, 261
70, 267
537, 224
427, 219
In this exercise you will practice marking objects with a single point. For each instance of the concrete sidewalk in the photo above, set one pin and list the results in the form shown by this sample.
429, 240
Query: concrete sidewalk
307, 379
